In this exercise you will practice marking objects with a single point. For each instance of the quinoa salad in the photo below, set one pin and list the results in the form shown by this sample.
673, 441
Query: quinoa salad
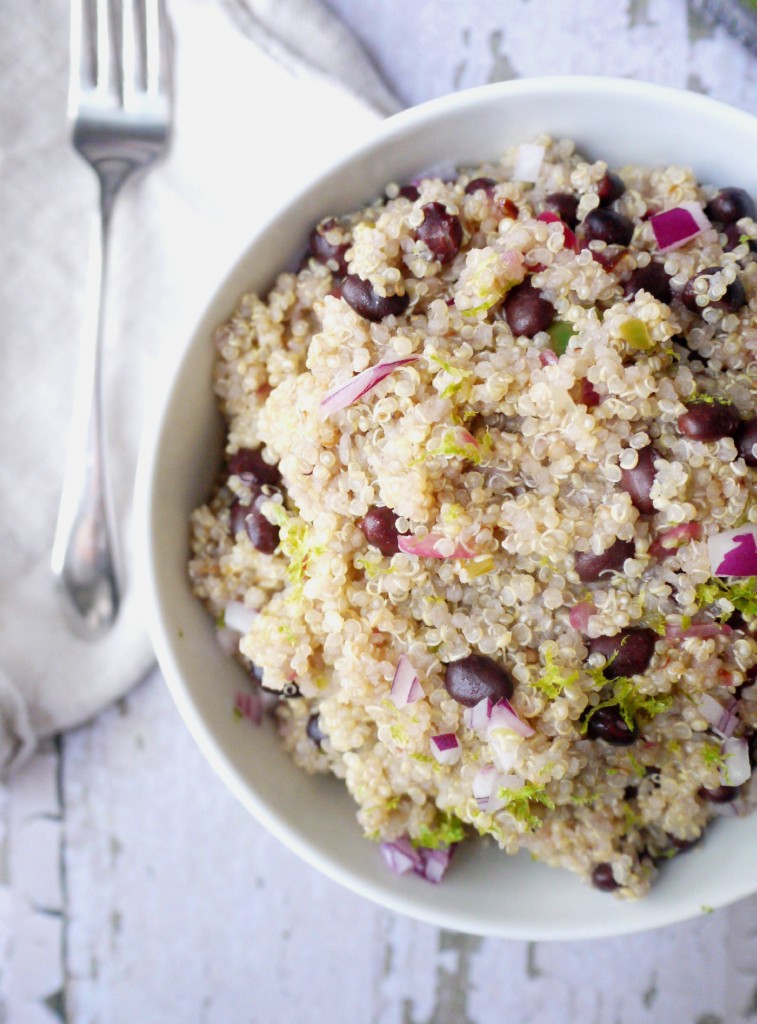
485, 537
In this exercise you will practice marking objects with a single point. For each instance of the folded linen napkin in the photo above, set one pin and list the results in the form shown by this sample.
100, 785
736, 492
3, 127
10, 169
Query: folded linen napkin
247, 133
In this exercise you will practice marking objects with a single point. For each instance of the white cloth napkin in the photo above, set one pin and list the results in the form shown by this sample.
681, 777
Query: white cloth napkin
250, 127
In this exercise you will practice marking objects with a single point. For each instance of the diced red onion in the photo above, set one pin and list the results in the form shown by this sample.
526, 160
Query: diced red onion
343, 395
734, 552
400, 856
551, 218
548, 358
435, 863
249, 705
709, 708
477, 717
737, 767
238, 616
485, 715
426, 547
406, 687
705, 630
487, 783
528, 161
674, 228
729, 719
668, 541
580, 614
228, 641
446, 748
504, 781
484, 784
743, 804
503, 716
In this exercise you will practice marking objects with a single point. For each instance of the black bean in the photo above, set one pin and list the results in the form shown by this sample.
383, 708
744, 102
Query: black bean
709, 421
628, 653
746, 441
441, 231
608, 257
313, 729
737, 621
733, 298
248, 464
483, 184
638, 481
591, 567
611, 187
379, 524
588, 394
526, 312
471, 679
749, 626
680, 339
263, 535
361, 295
565, 205
733, 235
607, 724
719, 795
324, 251
652, 279
730, 205
603, 879
683, 845
608, 226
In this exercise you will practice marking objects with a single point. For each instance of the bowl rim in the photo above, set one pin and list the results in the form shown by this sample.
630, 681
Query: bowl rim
146, 559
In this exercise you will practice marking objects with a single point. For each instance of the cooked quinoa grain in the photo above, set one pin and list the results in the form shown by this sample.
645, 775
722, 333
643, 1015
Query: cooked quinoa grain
479, 450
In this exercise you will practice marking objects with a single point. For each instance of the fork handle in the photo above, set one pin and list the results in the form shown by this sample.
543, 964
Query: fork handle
84, 557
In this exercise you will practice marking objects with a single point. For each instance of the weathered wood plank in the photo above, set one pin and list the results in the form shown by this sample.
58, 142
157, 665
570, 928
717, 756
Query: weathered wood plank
178, 900
424, 53
32, 893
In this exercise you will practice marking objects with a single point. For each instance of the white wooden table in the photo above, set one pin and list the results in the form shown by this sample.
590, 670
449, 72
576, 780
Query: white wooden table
135, 889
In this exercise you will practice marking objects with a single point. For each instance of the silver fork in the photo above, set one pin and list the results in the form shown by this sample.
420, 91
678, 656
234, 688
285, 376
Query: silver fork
120, 106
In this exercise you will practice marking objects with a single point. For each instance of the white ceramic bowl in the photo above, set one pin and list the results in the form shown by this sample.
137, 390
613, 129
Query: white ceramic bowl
485, 891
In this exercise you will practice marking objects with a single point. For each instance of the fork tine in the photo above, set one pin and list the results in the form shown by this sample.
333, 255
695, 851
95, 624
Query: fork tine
75, 50
81, 71
130, 45
103, 48
155, 43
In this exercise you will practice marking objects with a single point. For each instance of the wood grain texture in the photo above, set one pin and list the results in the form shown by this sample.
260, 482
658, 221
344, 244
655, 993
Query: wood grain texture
426, 50
133, 887
178, 901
